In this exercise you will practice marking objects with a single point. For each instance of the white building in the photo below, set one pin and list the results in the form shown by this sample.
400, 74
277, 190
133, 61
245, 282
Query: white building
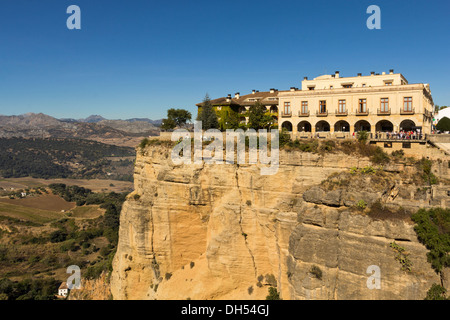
442, 114
63, 290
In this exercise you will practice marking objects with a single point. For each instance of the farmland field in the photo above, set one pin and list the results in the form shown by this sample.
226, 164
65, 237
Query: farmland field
96, 185
28, 214
46, 202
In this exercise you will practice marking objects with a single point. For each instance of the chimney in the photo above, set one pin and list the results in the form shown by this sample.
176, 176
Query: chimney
293, 88
253, 91
391, 71
359, 74
236, 95
305, 78
336, 74
272, 90
229, 97
372, 73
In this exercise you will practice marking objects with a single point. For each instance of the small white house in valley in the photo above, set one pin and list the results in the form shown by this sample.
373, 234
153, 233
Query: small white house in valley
63, 290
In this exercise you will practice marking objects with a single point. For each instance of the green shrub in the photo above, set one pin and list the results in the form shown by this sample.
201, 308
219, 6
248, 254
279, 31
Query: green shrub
402, 257
433, 230
443, 124
362, 136
436, 292
315, 270
273, 294
145, 142
58, 236
379, 156
361, 205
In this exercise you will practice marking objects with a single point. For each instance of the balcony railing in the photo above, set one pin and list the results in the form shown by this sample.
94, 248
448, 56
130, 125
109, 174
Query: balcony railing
383, 112
404, 112
341, 113
362, 113
303, 114
322, 113
286, 115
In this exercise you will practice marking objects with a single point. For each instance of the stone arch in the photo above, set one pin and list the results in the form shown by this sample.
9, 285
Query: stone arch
287, 125
342, 126
304, 126
363, 125
407, 125
322, 126
384, 126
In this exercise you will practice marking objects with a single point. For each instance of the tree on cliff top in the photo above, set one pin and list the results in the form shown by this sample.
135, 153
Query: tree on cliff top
443, 124
208, 116
176, 118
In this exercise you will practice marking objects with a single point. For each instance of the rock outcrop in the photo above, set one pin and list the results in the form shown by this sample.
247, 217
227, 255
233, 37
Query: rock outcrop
227, 232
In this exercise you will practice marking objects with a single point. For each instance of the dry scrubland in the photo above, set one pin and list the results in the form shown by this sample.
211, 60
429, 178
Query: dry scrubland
42, 234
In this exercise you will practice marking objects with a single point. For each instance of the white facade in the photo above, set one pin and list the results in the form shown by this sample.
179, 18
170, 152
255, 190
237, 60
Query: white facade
442, 114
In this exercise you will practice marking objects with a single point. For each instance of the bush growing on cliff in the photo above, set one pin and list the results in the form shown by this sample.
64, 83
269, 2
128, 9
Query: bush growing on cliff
428, 176
362, 136
145, 142
316, 272
437, 292
273, 294
433, 230
379, 156
402, 256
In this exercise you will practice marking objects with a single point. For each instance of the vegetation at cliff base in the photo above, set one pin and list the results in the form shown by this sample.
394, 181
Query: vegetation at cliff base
85, 235
29, 289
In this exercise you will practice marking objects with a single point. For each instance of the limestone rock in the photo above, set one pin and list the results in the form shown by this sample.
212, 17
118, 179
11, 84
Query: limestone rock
212, 231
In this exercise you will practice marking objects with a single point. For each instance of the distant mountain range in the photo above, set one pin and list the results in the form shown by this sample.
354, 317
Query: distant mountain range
97, 118
95, 127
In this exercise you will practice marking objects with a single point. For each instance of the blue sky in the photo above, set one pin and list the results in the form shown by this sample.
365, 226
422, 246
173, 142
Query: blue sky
138, 58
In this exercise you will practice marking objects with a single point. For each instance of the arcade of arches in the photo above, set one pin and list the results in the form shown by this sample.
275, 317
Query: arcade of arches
344, 126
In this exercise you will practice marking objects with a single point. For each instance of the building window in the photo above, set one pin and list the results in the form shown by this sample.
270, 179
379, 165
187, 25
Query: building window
388, 83
362, 106
347, 86
384, 105
342, 106
388, 144
323, 106
406, 145
287, 108
407, 104
331, 87
304, 107
363, 85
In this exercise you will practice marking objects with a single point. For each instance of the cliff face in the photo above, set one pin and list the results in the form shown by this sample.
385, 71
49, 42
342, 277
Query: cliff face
227, 232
